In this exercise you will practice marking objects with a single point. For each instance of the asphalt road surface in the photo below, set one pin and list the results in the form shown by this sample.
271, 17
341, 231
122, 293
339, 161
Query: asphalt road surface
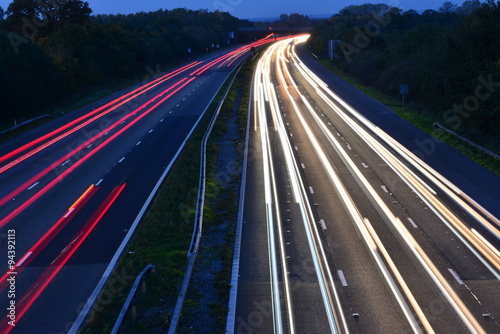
355, 221
72, 188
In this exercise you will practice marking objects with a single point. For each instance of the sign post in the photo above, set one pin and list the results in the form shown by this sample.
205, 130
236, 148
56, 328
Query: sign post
331, 50
403, 90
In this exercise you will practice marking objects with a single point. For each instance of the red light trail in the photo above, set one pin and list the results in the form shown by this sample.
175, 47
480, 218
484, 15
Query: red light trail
113, 105
50, 272
52, 183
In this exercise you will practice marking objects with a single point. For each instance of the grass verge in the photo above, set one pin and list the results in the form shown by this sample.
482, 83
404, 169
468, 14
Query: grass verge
163, 239
423, 121
209, 290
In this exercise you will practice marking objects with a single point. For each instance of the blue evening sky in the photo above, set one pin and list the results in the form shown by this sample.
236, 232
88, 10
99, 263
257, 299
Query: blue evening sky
249, 8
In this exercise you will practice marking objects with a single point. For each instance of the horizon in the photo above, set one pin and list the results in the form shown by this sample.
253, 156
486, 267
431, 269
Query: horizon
257, 9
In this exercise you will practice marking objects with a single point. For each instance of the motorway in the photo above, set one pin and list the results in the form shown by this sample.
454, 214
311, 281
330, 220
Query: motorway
346, 229
73, 189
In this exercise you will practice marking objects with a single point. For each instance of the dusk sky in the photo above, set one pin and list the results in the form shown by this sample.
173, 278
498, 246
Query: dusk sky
248, 8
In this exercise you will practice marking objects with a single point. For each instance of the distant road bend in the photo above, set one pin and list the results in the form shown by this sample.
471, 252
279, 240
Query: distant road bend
72, 188
360, 235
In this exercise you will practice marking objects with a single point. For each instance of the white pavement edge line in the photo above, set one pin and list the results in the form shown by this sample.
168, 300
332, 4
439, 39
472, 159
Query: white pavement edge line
93, 297
235, 273
198, 224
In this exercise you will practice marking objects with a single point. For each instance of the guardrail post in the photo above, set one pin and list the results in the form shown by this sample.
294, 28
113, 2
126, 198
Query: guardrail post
130, 302
133, 310
143, 281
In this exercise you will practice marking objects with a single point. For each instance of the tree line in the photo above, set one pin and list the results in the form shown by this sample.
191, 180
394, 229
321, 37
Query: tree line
450, 58
52, 48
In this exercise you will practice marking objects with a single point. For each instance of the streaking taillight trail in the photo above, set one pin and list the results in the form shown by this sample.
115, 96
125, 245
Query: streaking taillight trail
25, 260
66, 172
74, 125
37, 288
62, 167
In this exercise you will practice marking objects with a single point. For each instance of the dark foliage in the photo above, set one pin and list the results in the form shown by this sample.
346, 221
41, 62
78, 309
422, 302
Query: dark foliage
450, 58
49, 48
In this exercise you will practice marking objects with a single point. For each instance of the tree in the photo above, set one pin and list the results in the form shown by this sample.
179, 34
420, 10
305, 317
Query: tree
39, 18
294, 20
468, 7
73, 12
366, 9
17, 11
1, 13
448, 7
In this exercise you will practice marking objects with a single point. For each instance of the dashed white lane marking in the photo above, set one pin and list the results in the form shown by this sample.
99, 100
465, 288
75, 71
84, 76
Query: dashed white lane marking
384, 188
69, 212
322, 223
161, 120
20, 262
121, 159
303, 166
412, 222
90, 146
99, 182
365, 165
343, 281
33, 185
311, 190
138, 143
151, 130
454, 273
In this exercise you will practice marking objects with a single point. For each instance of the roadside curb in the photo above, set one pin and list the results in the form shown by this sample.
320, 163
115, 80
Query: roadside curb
235, 272
198, 224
